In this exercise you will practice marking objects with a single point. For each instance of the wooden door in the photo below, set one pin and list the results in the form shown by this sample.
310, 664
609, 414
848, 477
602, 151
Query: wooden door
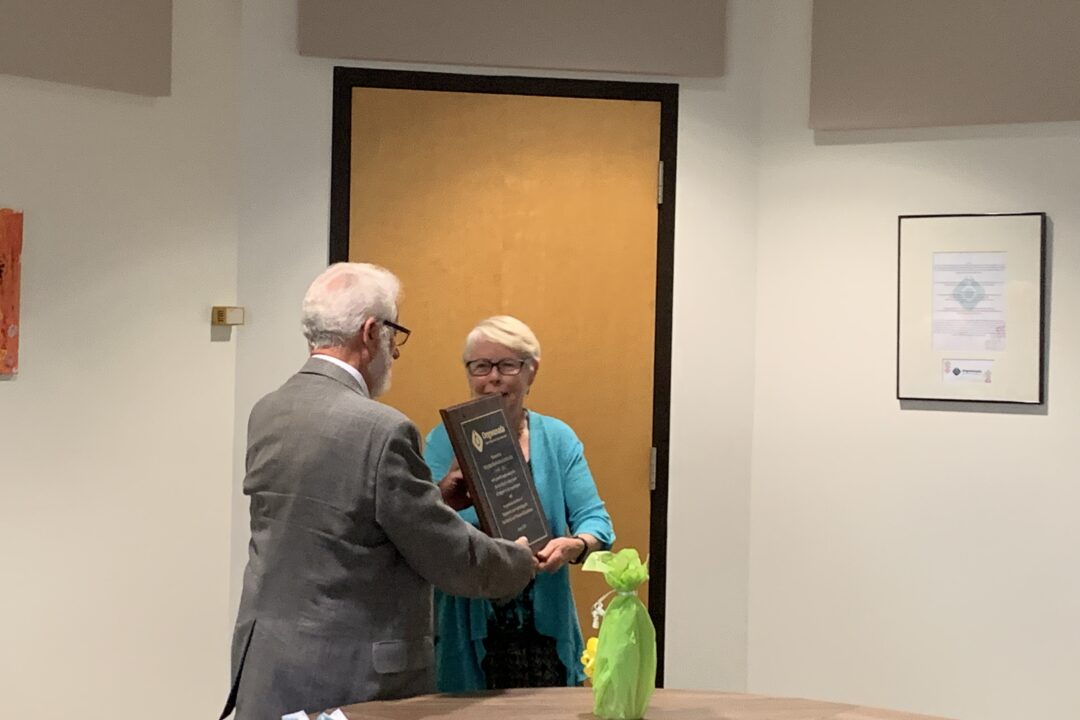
544, 208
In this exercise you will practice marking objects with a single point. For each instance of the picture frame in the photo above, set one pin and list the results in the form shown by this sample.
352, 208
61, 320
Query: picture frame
971, 307
11, 242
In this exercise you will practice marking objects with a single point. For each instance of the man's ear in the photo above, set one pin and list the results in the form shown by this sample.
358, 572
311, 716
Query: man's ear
368, 333
535, 369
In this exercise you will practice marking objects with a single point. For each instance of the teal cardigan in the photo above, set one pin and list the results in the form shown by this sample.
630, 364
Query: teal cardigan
572, 506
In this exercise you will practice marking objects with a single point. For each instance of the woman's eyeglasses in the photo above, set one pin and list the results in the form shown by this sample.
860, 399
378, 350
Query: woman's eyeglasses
507, 366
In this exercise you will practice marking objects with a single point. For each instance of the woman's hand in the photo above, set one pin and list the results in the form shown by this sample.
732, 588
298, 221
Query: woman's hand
454, 489
560, 551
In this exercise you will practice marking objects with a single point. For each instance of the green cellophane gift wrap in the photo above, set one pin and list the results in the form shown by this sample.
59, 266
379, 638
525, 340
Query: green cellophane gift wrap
624, 669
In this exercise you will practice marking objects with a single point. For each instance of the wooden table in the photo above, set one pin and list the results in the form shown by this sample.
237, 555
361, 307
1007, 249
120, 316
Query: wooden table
576, 704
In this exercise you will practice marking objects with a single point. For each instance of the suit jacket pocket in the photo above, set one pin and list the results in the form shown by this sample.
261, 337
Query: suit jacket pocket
394, 656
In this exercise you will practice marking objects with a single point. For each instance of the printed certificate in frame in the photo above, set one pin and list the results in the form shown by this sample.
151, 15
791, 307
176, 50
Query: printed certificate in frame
970, 308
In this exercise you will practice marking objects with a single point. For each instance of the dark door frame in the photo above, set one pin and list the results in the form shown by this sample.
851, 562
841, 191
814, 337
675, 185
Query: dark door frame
345, 79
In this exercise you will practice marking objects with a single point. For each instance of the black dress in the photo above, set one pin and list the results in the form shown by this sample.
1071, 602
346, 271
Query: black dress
517, 655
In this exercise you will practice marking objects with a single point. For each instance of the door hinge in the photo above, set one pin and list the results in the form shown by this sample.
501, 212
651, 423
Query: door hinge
652, 468
660, 183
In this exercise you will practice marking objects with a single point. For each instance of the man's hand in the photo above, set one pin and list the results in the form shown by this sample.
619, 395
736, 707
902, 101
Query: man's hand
525, 541
455, 491
558, 552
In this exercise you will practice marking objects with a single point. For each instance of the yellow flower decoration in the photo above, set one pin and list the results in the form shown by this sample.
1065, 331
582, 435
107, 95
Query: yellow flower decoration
589, 656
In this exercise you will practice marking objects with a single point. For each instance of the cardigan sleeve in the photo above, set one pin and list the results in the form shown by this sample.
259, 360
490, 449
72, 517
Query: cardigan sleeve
585, 511
438, 454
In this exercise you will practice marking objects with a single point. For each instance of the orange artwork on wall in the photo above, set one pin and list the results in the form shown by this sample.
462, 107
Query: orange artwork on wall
11, 227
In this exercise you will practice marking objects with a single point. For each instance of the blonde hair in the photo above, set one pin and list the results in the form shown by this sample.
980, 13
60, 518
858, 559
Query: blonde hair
506, 331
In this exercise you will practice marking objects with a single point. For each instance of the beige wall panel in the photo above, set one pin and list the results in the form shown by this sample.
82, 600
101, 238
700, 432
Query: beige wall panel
888, 64
123, 45
540, 207
640, 36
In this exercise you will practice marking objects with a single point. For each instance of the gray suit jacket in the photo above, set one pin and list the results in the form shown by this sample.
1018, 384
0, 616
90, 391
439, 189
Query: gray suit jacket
348, 535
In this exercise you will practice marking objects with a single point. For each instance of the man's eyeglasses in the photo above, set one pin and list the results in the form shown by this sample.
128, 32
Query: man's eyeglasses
507, 366
401, 333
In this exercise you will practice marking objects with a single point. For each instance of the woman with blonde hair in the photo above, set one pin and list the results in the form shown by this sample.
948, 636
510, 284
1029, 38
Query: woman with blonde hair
533, 640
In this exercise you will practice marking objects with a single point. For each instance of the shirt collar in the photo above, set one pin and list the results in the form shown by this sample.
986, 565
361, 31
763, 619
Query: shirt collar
349, 369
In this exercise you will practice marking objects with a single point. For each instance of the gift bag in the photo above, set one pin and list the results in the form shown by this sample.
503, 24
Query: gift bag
624, 664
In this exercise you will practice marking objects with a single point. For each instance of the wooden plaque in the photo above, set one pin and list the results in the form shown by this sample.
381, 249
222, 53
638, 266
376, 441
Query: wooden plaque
498, 478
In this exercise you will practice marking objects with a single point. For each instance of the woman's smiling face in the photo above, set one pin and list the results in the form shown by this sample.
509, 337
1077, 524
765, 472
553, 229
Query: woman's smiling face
512, 388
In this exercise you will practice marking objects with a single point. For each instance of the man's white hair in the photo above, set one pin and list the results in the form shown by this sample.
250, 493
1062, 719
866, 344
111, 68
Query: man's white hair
507, 331
343, 297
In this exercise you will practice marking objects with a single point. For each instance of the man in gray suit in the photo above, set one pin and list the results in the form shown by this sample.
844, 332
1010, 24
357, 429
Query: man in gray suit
348, 533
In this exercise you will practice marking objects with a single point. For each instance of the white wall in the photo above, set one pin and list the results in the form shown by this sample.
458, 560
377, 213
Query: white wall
712, 382
116, 439
286, 116
919, 559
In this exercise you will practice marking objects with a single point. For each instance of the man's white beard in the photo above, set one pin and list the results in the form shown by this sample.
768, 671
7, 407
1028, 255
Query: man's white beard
380, 370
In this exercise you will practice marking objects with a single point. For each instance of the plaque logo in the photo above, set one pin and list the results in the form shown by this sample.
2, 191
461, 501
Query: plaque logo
477, 441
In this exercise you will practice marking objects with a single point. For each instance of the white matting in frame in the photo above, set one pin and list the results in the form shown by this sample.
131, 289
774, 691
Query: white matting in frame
970, 307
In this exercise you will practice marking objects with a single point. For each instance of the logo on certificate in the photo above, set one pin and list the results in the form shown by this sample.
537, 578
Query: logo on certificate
966, 371
477, 441
969, 293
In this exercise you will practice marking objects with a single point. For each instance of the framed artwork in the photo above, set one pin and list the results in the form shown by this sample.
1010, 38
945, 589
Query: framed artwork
11, 227
970, 308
